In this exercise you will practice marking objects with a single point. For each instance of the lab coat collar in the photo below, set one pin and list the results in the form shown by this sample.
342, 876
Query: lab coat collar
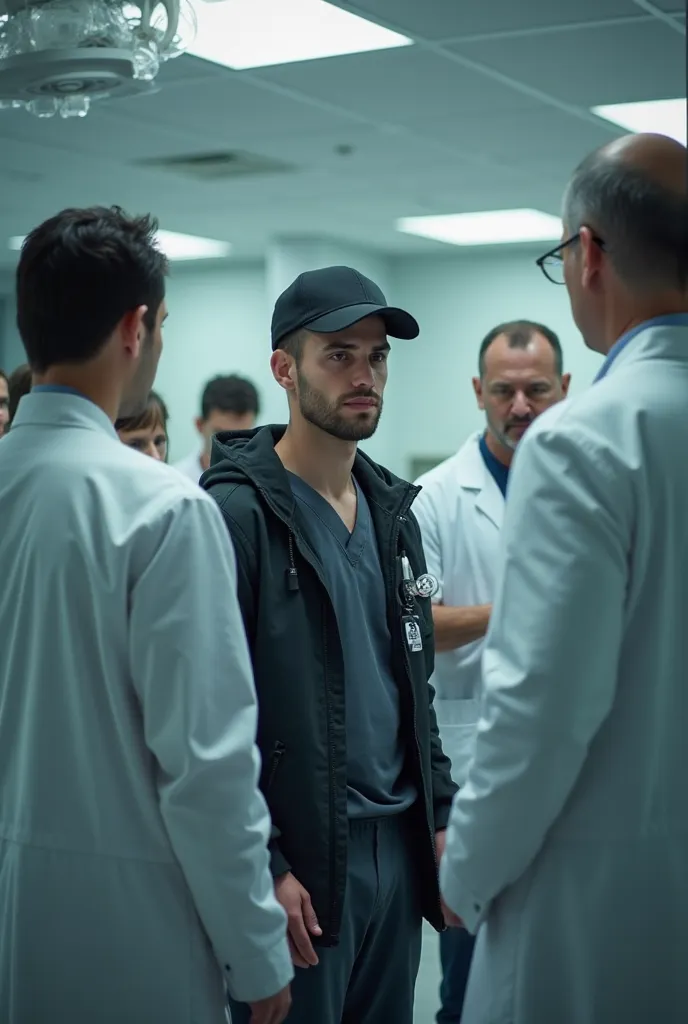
473, 475
653, 338
57, 409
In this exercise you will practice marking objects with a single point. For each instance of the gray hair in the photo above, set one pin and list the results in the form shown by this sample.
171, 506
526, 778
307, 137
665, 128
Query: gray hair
644, 226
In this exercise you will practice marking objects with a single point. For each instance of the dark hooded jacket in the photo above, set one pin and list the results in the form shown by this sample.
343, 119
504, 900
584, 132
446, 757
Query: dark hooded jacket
298, 665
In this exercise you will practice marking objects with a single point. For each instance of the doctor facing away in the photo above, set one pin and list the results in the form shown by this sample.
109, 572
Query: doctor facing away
134, 879
460, 510
568, 844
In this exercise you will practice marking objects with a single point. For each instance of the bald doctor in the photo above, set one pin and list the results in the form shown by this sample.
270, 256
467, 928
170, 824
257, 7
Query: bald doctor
134, 879
568, 844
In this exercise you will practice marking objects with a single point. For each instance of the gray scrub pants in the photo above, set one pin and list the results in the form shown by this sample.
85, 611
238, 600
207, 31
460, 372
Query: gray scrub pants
369, 978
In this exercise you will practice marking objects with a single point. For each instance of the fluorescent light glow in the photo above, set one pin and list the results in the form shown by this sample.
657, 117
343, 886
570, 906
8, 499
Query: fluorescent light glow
493, 227
259, 33
663, 117
175, 246
191, 247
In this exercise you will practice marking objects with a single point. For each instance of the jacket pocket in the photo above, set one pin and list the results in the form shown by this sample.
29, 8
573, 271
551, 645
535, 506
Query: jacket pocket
273, 764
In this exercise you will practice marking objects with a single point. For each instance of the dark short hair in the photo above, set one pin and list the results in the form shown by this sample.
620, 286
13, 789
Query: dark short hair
519, 334
230, 393
155, 412
644, 226
19, 384
293, 343
79, 273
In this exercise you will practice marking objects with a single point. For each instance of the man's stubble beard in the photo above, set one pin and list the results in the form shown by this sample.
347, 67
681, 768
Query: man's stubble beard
316, 409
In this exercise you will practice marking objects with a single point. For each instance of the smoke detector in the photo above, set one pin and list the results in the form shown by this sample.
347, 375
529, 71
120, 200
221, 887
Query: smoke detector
58, 56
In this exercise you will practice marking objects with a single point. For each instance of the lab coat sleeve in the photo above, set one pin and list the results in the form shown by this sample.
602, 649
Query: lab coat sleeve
550, 660
191, 669
425, 511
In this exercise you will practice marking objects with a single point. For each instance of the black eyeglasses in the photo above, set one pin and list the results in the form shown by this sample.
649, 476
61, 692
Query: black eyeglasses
552, 263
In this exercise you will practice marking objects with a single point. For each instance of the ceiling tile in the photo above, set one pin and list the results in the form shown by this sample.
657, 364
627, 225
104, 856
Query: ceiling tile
607, 65
397, 86
447, 19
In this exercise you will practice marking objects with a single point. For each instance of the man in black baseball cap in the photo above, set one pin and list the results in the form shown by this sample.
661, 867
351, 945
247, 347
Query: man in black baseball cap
342, 650
332, 299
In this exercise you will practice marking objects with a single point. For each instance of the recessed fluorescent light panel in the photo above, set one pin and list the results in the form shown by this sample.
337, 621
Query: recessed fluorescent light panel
175, 246
190, 247
258, 33
664, 117
492, 227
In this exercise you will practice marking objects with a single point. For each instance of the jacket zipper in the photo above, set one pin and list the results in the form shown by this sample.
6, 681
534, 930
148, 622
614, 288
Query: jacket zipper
275, 758
400, 519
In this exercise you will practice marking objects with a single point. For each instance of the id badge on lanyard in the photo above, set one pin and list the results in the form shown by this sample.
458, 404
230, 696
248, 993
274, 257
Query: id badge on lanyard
425, 586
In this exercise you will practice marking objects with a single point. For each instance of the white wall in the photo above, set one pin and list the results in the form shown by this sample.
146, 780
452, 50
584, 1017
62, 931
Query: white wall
218, 323
11, 349
457, 299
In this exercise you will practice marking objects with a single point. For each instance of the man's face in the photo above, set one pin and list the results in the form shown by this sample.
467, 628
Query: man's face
517, 385
219, 421
136, 395
4, 405
340, 379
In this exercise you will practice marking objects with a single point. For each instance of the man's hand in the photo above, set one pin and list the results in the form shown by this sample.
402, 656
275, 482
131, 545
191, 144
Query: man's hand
440, 843
450, 918
301, 920
273, 1010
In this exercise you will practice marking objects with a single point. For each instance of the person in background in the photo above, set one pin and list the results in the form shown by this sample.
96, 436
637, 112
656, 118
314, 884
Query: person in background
4, 402
20, 381
134, 877
227, 403
353, 769
147, 432
568, 843
460, 510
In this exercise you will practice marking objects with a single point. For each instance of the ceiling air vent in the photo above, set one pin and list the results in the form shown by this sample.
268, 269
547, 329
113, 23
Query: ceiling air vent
217, 166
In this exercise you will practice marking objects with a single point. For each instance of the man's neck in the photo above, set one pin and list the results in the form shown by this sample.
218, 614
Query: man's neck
86, 382
322, 461
500, 451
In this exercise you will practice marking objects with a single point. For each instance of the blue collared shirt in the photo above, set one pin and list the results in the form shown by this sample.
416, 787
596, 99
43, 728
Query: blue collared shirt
500, 472
670, 320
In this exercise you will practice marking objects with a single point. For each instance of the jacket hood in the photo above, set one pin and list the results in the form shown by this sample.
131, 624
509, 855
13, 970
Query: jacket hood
248, 456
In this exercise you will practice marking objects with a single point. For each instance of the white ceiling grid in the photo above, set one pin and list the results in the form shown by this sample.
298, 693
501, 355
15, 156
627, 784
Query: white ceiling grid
490, 109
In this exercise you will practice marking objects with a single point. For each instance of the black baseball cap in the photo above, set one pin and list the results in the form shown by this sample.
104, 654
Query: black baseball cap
333, 299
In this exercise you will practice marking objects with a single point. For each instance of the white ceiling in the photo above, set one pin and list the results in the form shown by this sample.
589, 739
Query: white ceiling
489, 110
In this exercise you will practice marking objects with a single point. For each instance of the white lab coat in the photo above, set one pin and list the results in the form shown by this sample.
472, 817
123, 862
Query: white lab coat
570, 838
460, 511
133, 861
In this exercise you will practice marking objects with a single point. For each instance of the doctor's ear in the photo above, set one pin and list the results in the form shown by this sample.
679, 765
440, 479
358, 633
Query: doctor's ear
283, 368
478, 388
132, 331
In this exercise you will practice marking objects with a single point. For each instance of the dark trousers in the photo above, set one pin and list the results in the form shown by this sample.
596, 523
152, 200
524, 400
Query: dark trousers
456, 952
369, 978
